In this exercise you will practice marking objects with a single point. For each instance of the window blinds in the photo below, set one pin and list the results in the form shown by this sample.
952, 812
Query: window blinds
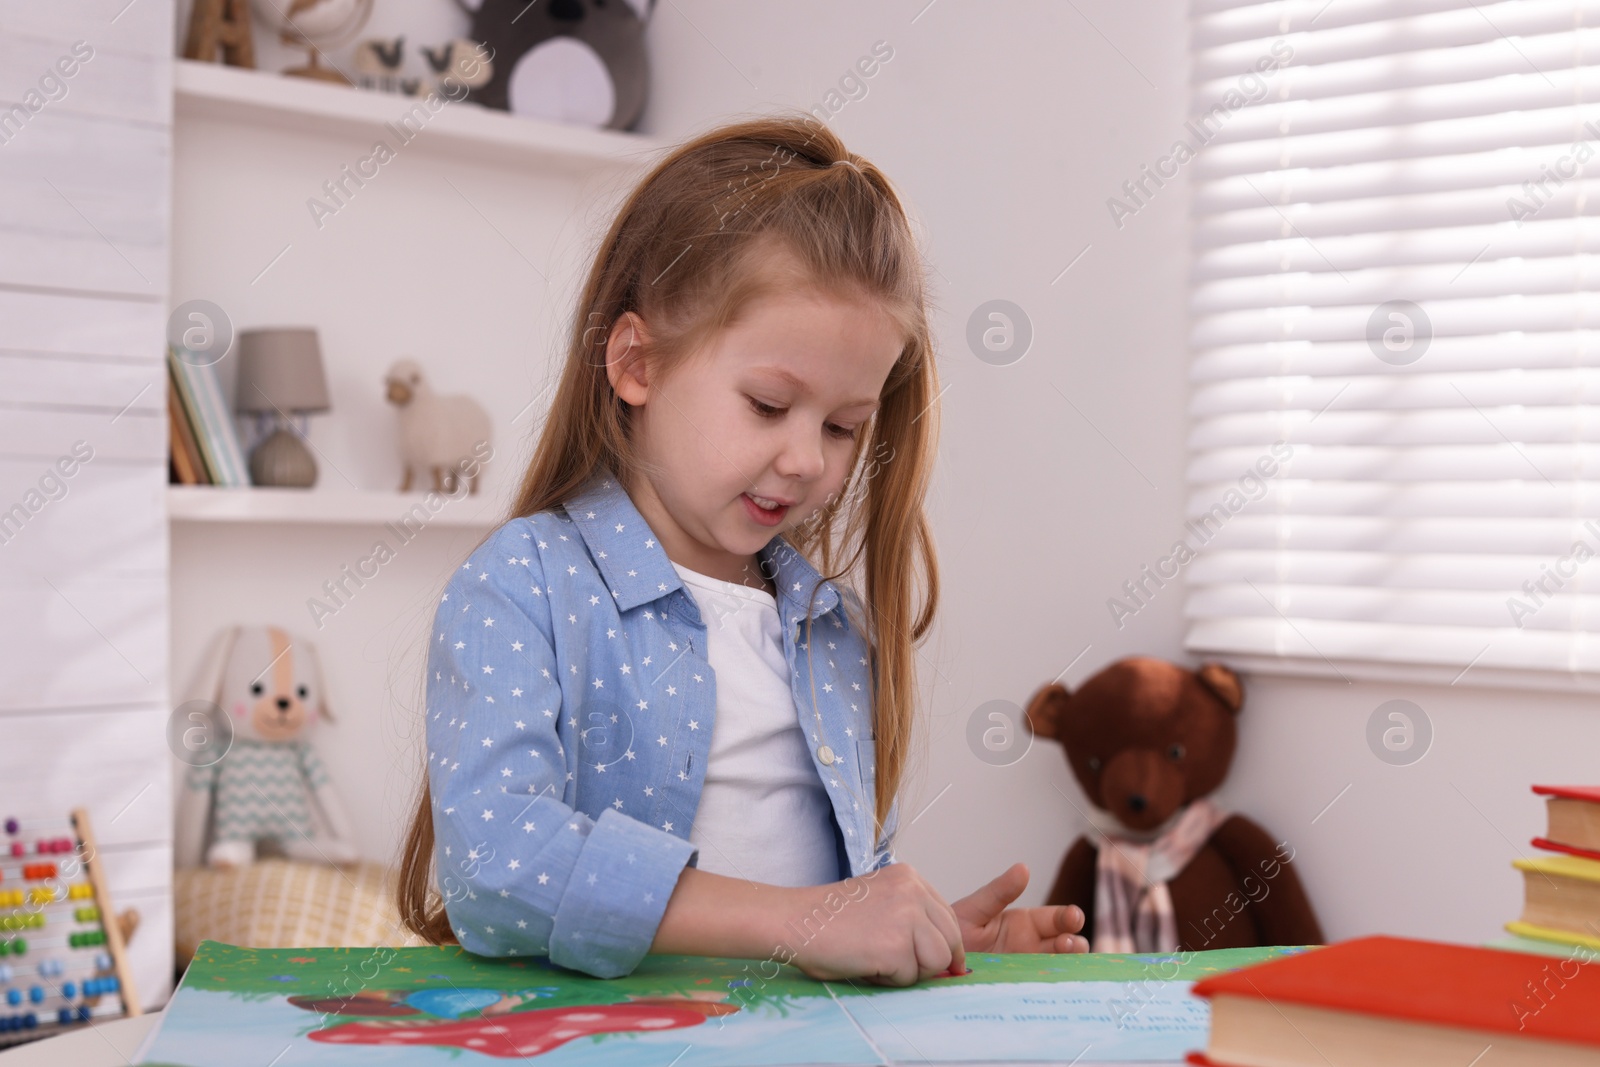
1395, 438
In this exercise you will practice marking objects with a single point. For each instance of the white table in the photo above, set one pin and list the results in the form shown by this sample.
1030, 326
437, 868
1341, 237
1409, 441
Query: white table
108, 1044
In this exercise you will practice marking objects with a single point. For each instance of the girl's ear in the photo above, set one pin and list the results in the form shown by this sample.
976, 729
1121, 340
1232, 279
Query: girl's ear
625, 359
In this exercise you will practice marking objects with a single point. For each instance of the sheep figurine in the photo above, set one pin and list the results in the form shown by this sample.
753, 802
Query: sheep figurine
445, 435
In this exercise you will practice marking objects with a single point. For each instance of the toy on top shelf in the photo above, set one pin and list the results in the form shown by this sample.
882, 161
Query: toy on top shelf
223, 24
577, 61
317, 26
61, 962
452, 69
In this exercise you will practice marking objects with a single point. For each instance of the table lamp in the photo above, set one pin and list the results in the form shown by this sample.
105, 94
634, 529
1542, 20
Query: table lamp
280, 375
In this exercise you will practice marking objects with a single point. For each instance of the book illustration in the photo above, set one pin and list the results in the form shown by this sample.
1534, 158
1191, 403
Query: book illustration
442, 1005
486, 1020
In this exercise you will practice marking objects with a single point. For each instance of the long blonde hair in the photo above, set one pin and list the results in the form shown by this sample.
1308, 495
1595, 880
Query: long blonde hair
683, 253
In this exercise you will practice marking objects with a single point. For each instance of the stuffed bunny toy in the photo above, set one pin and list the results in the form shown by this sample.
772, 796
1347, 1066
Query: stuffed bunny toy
270, 787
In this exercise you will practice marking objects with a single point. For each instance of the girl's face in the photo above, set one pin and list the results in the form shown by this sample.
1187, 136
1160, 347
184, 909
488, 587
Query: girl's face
770, 407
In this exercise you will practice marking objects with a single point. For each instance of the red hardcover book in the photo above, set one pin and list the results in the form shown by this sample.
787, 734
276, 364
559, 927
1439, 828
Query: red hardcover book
1573, 812
1571, 850
1392, 1000
1591, 793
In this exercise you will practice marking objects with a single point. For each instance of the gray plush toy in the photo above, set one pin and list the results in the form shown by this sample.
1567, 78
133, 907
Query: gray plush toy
270, 787
576, 61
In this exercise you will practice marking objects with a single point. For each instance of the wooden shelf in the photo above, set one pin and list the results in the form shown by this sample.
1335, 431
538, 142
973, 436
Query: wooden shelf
263, 98
372, 507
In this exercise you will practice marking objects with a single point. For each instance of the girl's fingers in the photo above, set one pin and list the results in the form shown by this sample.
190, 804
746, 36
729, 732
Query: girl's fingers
949, 927
934, 953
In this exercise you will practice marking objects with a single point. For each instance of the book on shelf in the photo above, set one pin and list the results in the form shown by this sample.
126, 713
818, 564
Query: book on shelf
210, 420
1573, 819
1382, 1001
188, 466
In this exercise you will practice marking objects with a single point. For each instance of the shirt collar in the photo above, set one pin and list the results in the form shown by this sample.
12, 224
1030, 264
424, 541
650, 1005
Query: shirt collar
636, 568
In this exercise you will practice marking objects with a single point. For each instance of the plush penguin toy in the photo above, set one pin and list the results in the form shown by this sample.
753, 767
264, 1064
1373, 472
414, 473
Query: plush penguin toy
575, 61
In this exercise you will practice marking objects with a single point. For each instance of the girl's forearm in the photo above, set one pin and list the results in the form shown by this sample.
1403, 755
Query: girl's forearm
714, 915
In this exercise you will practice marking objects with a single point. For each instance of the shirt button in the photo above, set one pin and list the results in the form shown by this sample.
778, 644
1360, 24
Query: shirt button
825, 754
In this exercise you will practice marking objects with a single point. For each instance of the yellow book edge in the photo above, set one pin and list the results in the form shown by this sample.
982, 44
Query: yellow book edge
1563, 864
1550, 933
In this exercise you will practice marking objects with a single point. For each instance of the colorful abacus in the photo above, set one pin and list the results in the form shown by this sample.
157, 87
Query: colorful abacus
62, 959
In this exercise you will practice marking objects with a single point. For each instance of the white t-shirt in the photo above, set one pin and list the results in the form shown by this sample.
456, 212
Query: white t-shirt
763, 812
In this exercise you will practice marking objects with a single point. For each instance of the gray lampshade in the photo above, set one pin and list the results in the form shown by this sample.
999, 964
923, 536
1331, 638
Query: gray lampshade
284, 364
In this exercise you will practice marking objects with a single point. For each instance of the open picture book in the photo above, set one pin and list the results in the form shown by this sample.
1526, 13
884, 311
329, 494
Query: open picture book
441, 1005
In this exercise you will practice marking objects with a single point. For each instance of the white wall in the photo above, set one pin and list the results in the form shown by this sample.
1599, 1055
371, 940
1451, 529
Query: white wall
1007, 126
84, 186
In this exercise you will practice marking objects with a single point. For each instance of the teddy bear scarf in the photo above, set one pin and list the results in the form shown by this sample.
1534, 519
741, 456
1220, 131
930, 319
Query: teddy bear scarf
1132, 907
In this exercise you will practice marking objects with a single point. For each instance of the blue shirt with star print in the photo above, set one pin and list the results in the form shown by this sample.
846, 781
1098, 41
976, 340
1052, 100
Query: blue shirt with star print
569, 715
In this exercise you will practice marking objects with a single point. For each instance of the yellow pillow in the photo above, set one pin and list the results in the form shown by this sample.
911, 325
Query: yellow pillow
279, 903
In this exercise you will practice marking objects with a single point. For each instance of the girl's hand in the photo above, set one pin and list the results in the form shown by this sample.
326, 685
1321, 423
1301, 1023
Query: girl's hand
889, 927
986, 925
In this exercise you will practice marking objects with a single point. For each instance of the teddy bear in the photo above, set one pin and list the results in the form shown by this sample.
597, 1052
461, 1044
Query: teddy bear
1164, 868
268, 791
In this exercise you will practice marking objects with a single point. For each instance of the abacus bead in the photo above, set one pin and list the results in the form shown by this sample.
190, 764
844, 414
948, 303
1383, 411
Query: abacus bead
30, 1020
5, 972
64, 1016
69, 989
13, 996
11, 826
91, 987
114, 983
36, 994
103, 961
19, 946
83, 1012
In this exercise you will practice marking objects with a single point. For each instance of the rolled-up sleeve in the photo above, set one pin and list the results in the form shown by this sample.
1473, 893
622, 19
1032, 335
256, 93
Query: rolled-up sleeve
521, 871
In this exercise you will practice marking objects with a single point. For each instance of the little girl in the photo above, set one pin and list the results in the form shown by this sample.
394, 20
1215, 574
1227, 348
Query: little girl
653, 724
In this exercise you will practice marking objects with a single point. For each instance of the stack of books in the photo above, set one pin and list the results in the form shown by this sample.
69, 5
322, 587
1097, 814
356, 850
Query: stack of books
1562, 891
204, 443
1382, 1001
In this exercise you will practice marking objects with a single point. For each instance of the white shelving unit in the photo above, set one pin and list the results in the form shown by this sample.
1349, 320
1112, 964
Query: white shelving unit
210, 504
463, 255
214, 91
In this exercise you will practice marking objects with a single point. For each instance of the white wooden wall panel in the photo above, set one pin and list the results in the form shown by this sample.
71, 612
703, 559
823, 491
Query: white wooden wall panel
49, 434
70, 324
85, 215
42, 778
97, 384
131, 26
78, 641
